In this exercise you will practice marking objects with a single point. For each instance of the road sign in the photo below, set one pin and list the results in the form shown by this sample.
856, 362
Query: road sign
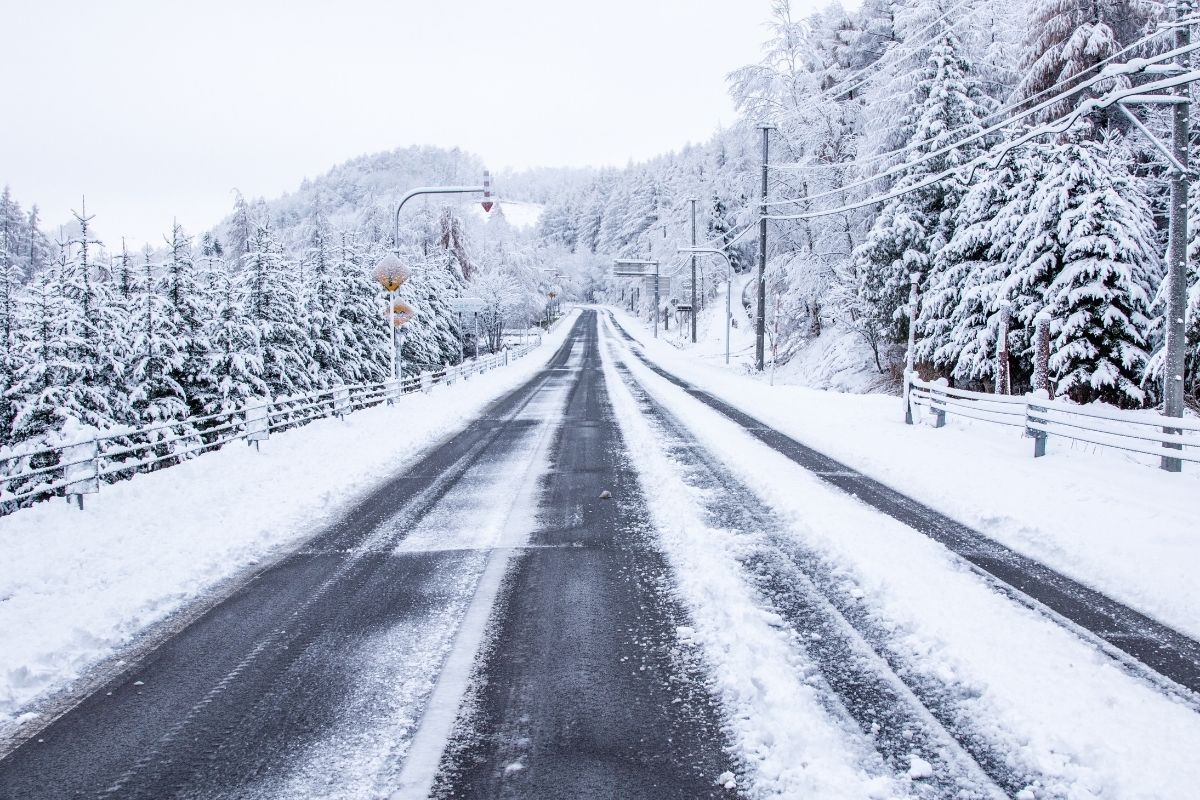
487, 191
391, 273
468, 305
404, 314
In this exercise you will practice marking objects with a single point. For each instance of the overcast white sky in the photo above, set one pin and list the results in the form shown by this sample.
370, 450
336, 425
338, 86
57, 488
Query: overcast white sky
157, 108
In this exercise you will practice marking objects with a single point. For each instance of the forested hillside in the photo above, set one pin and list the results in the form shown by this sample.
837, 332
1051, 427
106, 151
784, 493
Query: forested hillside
935, 138
278, 300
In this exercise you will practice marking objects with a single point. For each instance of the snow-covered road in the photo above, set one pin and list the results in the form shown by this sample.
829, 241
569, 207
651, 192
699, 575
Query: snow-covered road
611, 584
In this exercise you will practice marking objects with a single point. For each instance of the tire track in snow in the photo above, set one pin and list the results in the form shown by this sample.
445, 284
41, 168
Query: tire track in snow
899, 721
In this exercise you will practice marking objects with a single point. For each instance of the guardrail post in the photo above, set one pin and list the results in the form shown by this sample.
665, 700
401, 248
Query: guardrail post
426, 381
341, 401
1031, 411
83, 469
939, 414
258, 423
506, 356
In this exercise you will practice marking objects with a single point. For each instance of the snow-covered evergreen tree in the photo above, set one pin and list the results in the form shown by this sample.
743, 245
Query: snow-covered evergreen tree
1085, 253
188, 299
273, 308
236, 357
324, 300
911, 229
957, 323
361, 317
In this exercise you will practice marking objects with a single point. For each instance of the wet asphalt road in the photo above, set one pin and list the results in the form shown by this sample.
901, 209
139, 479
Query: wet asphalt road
582, 682
587, 693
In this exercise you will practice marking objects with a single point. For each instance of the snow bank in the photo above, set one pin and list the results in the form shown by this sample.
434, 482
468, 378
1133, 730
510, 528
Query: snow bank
1106, 519
77, 586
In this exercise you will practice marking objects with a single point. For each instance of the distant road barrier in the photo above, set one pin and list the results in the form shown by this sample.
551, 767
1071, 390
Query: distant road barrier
71, 470
1144, 432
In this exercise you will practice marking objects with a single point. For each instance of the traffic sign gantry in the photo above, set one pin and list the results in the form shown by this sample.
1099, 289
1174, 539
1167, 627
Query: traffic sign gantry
468, 305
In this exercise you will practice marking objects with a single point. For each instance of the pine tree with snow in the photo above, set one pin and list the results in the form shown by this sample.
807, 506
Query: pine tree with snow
1067, 40
241, 227
361, 317
94, 392
186, 294
453, 240
324, 300
155, 359
156, 364
236, 357
1085, 253
947, 105
10, 283
957, 326
273, 307
40, 371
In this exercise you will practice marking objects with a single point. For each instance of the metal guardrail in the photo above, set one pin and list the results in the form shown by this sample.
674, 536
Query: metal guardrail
32, 474
1143, 432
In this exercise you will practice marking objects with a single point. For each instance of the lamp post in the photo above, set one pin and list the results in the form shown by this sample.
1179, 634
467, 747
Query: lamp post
391, 273
485, 190
728, 289
634, 262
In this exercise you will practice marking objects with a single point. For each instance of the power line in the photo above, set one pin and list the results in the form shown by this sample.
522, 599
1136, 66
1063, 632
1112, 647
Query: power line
990, 115
1059, 125
1126, 69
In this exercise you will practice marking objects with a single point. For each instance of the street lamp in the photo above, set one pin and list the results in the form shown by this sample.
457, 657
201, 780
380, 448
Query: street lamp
728, 286
485, 190
635, 262
391, 273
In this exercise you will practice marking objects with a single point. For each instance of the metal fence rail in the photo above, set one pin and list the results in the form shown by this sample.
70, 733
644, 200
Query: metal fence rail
30, 474
1143, 432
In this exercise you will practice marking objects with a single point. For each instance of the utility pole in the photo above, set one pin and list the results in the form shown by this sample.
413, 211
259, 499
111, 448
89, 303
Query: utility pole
1177, 248
657, 302
761, 322
910, 355
692, 313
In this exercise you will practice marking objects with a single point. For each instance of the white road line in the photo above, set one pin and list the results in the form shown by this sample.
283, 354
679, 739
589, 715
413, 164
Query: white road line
437, 723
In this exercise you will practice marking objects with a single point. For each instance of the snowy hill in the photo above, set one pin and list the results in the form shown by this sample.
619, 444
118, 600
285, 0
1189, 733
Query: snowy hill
520, 215
361, 194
